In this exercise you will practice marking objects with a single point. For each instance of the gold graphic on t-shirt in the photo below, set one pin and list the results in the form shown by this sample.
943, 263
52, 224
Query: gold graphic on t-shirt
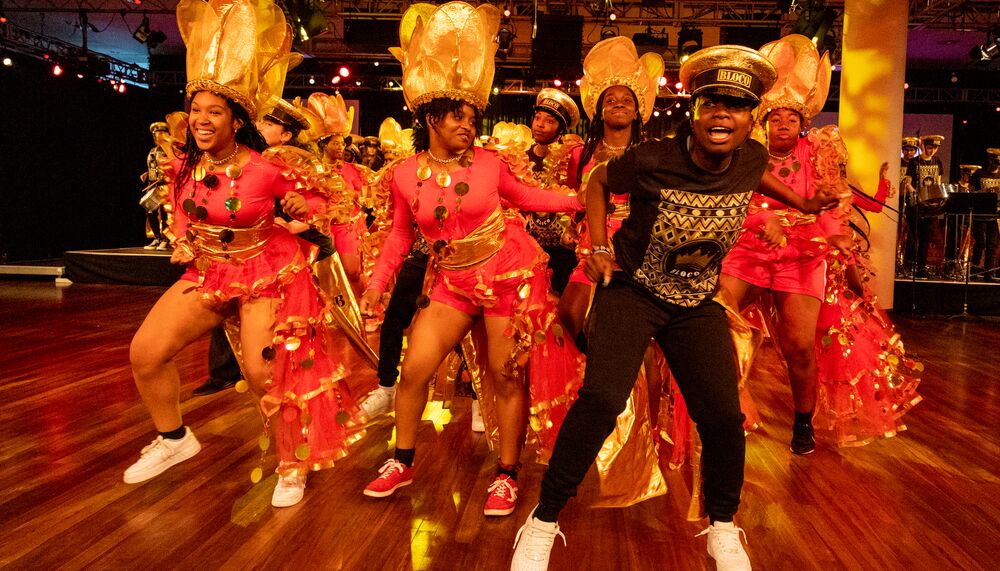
989, 184
929, 174
691, 235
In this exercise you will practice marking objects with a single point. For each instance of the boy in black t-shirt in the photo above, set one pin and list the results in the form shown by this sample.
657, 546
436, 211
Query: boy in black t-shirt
687, 197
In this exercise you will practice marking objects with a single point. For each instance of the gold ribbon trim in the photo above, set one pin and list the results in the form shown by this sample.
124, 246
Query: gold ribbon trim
246, 243
476, 248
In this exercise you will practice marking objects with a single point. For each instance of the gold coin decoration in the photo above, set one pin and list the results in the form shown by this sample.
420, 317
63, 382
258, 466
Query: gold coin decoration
264, 441
242, 386
305, 418
424, 172
302, 452
292, 343
307, 363
233, 204
256, 475
234, 171
342, 417
440, 213
199, 173
462, 188
443, 179
539, 337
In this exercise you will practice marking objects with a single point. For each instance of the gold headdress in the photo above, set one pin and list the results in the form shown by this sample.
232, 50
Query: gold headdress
239, 49
395, 140
512, 136
335, 116
447, 51
911, 142
971, 169
615, 62
803, 77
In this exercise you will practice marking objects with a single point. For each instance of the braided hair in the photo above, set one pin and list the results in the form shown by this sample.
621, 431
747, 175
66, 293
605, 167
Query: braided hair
436, 109
595, 132
247, 135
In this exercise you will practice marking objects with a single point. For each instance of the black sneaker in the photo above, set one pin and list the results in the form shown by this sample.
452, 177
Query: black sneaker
803, 441
212, 386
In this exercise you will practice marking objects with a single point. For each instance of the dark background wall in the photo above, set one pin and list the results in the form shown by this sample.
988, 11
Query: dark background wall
71, 152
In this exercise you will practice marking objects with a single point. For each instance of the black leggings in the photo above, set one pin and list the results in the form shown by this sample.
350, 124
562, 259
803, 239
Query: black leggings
699, 350
398, 315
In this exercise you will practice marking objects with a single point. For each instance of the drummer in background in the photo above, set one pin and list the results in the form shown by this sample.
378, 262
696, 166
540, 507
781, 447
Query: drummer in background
909, 196
910, 147
925, 172
985, 231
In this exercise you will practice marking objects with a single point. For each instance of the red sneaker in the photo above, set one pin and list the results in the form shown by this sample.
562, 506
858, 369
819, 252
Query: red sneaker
503, 496
394, 475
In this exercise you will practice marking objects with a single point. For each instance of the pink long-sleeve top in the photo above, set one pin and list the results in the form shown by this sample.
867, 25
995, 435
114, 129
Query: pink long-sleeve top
260, 183
490, 180
803, 183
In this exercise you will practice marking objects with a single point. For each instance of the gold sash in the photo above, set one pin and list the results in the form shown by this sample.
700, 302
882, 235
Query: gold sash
477, 247
246, 242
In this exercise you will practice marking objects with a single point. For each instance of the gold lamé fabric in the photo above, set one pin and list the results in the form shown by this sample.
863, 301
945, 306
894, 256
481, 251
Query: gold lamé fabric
308, 172
343, 304
336, 118
448, 51
246, 243
514, 136
803, 76
477, 247
396, 141
616, 62
240, 49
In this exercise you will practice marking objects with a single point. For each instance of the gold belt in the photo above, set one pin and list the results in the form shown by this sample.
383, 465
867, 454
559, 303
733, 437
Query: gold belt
224, 244
477, 247
787, 217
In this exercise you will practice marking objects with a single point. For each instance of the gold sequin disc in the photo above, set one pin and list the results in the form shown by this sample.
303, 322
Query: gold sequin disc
256, 475
424, 172
199, 173
443, 179
234, 171
302, 452
242, 386
264, 441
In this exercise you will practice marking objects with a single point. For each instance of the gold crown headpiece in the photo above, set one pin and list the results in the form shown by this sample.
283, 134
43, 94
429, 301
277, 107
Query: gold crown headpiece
447, 51
513, 136
615, 62
239, 49
335, 116
803, 77
395, 139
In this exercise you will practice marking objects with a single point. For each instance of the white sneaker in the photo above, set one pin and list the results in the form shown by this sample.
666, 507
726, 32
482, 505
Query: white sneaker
725, 547
378, 402
152, 245
533, 544
160, 455
477, 418
163, 246
289, 490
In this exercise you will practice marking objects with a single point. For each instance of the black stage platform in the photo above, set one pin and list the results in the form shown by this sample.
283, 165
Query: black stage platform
132, 266
942, 297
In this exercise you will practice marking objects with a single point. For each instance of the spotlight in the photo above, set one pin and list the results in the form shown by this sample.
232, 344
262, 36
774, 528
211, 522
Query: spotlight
662, 81
306, 18
344, 72
688, 41
7, 62
656, 113
312, 80
612, 16
557, 82
121, 88
505, 38
985, 53
678, 86
57, 70
954, 77
496, 91
375, 64
335, 80
815, 21
577, 82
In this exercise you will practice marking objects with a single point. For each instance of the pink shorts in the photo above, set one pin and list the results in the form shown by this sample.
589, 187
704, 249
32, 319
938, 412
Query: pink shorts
347, 237
782, 269
491, 289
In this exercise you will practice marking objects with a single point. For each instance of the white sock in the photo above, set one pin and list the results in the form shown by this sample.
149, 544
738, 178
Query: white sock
391, 390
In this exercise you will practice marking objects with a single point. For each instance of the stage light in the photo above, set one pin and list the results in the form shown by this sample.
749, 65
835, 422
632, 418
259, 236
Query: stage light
656, 113
662, 81
496, 91
57, 70
577, 82
306, 18
312, 80
391, 83
121, 88
954, 77
669, 112
7, 62
335, 80
815, 21
679, 86
506, 12
79, 76
557, 82
358, 83
986, 52
608, 32
344, 72
375, 64
906, 86
612, 16
505, 38
688, 41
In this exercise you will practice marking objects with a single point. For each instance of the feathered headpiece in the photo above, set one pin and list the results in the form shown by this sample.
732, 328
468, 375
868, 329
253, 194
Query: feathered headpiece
447, 51
239, 49
803, 77
615, 62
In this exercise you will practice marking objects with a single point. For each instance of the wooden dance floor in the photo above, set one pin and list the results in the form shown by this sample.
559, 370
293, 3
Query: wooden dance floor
71, 422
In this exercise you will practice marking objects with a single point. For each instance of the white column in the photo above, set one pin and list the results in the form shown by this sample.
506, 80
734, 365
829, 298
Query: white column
871, 113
